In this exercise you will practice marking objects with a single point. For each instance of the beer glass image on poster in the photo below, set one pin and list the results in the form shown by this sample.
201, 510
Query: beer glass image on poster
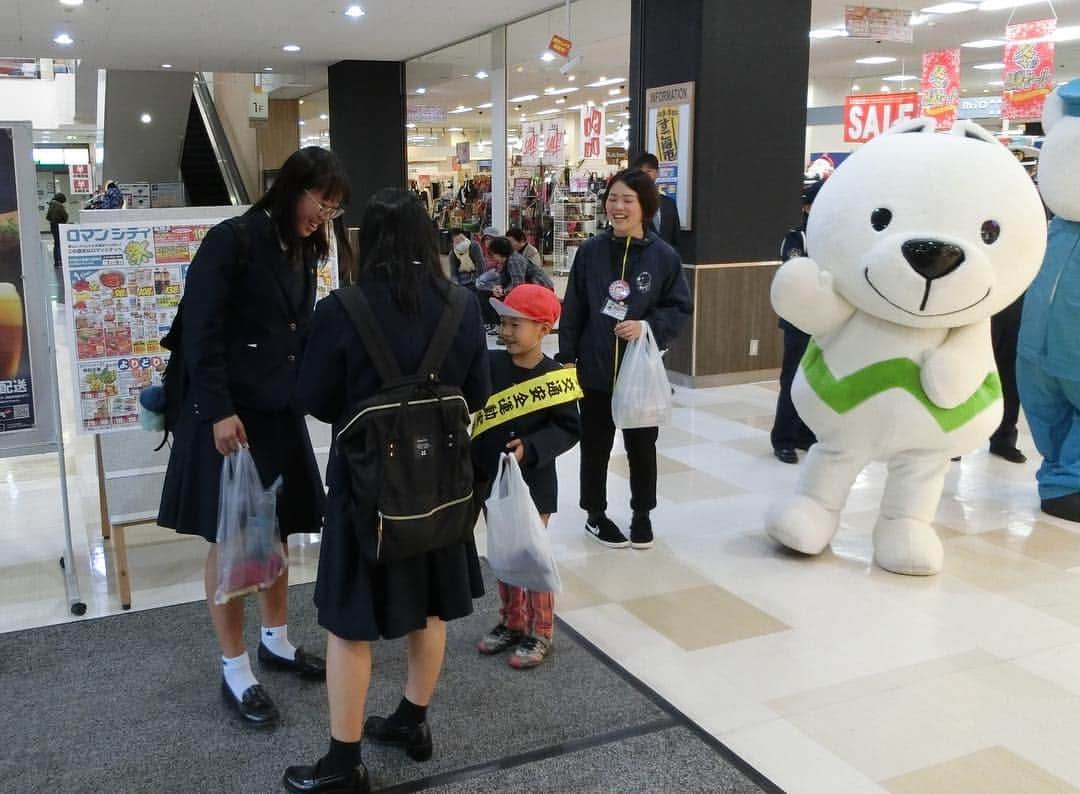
670, 136
16, 388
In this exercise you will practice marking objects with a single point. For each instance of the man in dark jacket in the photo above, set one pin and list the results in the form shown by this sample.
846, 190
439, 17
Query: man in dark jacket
56, 215
666, 222
789, 432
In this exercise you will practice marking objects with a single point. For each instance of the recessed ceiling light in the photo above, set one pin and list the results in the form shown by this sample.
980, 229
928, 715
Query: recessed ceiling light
291, 48
876, 59
481, 75
71, 3
983, 44
548, 112
989, 67
354, 11
484, 106
572, 77
410, 126
603, 82
64, 39
166, 66
899, 78
950, 8
614, 92
268, 68
560, 91
460, 109
560, 101
455, 129
324, 116
827, 33
856, 87
919, 19
548, 56
146, 118
421, 91
520, 69
999, 5
524, 98
302, 123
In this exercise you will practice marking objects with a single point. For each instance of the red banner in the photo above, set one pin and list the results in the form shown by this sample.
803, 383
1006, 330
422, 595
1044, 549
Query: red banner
940, 88
560, 46
867, 116
1029, 69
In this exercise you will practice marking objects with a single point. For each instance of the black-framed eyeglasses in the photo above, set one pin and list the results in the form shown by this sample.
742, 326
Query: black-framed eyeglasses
325, 211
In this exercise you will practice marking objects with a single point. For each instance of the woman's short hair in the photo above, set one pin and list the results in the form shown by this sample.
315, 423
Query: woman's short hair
457, 230
642, 184
516, 234
501, 246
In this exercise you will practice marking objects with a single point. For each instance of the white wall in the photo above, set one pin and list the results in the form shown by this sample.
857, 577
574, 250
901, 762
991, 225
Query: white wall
48, 104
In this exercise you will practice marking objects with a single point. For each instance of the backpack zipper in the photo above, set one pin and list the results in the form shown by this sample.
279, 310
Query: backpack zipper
398, 405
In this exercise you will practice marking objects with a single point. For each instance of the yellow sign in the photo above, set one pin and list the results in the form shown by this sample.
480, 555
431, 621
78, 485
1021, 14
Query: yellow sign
555, 388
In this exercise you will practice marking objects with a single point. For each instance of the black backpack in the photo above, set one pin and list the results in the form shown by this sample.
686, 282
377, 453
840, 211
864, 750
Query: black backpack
174, 380
407, 447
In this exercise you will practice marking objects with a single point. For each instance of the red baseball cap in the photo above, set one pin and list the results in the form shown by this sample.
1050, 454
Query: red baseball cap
530, 302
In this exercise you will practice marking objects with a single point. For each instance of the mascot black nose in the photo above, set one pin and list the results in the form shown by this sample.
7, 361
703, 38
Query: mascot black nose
932, 259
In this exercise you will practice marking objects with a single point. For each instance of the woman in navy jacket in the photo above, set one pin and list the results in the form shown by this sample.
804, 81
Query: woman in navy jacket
619, 278
360, 601
244, 320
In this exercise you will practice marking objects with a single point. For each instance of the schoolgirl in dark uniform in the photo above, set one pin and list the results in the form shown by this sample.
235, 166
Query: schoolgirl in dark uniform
247, 307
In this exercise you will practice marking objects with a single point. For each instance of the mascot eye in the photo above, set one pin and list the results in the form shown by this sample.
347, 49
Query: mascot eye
880, 218
991, 230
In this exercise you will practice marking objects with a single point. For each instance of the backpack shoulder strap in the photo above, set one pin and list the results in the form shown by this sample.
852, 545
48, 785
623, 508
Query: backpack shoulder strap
358, 309
445, 333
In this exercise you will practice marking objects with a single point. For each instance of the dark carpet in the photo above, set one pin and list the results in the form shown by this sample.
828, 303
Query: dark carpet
131, 703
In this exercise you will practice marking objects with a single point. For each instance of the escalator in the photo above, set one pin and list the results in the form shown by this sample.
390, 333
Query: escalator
207, 166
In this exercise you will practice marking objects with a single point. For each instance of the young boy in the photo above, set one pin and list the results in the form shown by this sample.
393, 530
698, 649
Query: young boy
533, 414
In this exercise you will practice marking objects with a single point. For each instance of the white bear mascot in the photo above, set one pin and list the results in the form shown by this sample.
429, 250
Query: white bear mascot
917, 240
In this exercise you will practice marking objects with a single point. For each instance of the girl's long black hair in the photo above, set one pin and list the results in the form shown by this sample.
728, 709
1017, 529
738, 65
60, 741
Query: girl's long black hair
320, 171
398, 243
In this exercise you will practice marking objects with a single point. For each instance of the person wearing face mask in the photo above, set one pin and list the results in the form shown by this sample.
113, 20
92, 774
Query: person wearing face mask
242, 327
621, 277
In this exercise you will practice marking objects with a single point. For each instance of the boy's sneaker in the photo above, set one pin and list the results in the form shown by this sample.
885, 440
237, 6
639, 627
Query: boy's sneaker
499, 639
603, 530
530, 653
641, 536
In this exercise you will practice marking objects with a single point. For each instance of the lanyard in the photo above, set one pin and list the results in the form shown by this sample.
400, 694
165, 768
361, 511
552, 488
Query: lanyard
622, 277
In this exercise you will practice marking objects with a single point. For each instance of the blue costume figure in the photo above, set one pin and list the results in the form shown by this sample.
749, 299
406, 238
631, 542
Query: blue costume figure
1048, 366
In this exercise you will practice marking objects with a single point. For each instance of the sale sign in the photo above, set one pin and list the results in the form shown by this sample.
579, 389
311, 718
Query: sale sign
867, 116
1029, 68
592, 133
532, 147
941, 86
554, 137
560, 45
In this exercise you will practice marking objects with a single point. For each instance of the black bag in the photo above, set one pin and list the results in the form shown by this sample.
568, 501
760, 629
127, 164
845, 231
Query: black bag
407, 447
174, 380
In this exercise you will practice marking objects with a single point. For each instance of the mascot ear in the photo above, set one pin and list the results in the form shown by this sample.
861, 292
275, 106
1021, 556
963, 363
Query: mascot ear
1064, 101
969, 129
921, 124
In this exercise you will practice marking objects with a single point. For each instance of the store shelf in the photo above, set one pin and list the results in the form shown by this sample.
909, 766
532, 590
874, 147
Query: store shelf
574, 220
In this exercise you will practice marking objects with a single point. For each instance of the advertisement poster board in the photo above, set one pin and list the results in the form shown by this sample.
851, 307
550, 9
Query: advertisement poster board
670, 136
463, 153
866, 116
81, 184
16, 377
125, 282
136, 195
940, 87
1029, 69
883, 24
167, 195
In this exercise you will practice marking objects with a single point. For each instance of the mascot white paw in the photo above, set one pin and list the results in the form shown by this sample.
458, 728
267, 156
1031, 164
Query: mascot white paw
916, 241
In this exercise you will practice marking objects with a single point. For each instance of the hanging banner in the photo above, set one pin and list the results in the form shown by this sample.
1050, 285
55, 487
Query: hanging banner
419, 114
883, 24
866, 116
1029, 69
16, 380
940, 88
532, 147
554, 139
463, 153
669, 135
592, 134
81, 184
560, 45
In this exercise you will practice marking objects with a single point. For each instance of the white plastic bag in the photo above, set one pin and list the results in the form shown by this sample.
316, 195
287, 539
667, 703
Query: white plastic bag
518, 547
642, 396
249, 555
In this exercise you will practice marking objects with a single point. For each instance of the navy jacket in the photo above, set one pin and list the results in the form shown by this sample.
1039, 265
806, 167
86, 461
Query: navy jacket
243, 336
338, 374
667, 223
659, 295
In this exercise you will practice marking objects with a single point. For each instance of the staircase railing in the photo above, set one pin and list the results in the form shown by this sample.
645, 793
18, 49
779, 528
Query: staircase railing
204, 100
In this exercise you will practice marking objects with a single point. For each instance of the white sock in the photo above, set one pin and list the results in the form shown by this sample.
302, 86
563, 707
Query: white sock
276, 640
238, 674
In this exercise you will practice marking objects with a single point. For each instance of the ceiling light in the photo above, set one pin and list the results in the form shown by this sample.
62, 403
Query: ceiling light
421, 91
410, 126
71, 3
460, 109
146, 118
885, 89
268, 68
996, 82
989, 67
291, 48
856, 87
484, 106
950, 8
524, 98
548, 112
560, 91
520, 69
999, 5
560, 101
618, 101
354, 11
481, 75
918, 19
548, 56
64, 39
456, 129
324, 116
899, 78
983, 44
302, 122
301, 101
876, 59
572, 78
166, 66
603, 82
827, 33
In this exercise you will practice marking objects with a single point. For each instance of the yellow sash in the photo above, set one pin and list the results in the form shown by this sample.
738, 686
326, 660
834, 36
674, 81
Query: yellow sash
555, 388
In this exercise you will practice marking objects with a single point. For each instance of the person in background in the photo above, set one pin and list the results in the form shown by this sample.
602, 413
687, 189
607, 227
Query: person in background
666, 222
523, 247
466, 259
358, 600
55, 216
789, 432
515, 269
536, 436
489, 234
624, 275
244, 324
113, 198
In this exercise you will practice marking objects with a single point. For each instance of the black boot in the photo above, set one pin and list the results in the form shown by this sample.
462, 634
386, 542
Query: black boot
1067, 507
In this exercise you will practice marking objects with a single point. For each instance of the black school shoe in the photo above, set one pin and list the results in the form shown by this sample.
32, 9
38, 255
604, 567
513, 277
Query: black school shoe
255, 708
303, 779
606, 533
786, 455
415, 740
1067, 507
1009, 453
641, 536
304, 664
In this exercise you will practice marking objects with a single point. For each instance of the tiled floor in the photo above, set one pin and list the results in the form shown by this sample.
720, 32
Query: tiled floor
827, 674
